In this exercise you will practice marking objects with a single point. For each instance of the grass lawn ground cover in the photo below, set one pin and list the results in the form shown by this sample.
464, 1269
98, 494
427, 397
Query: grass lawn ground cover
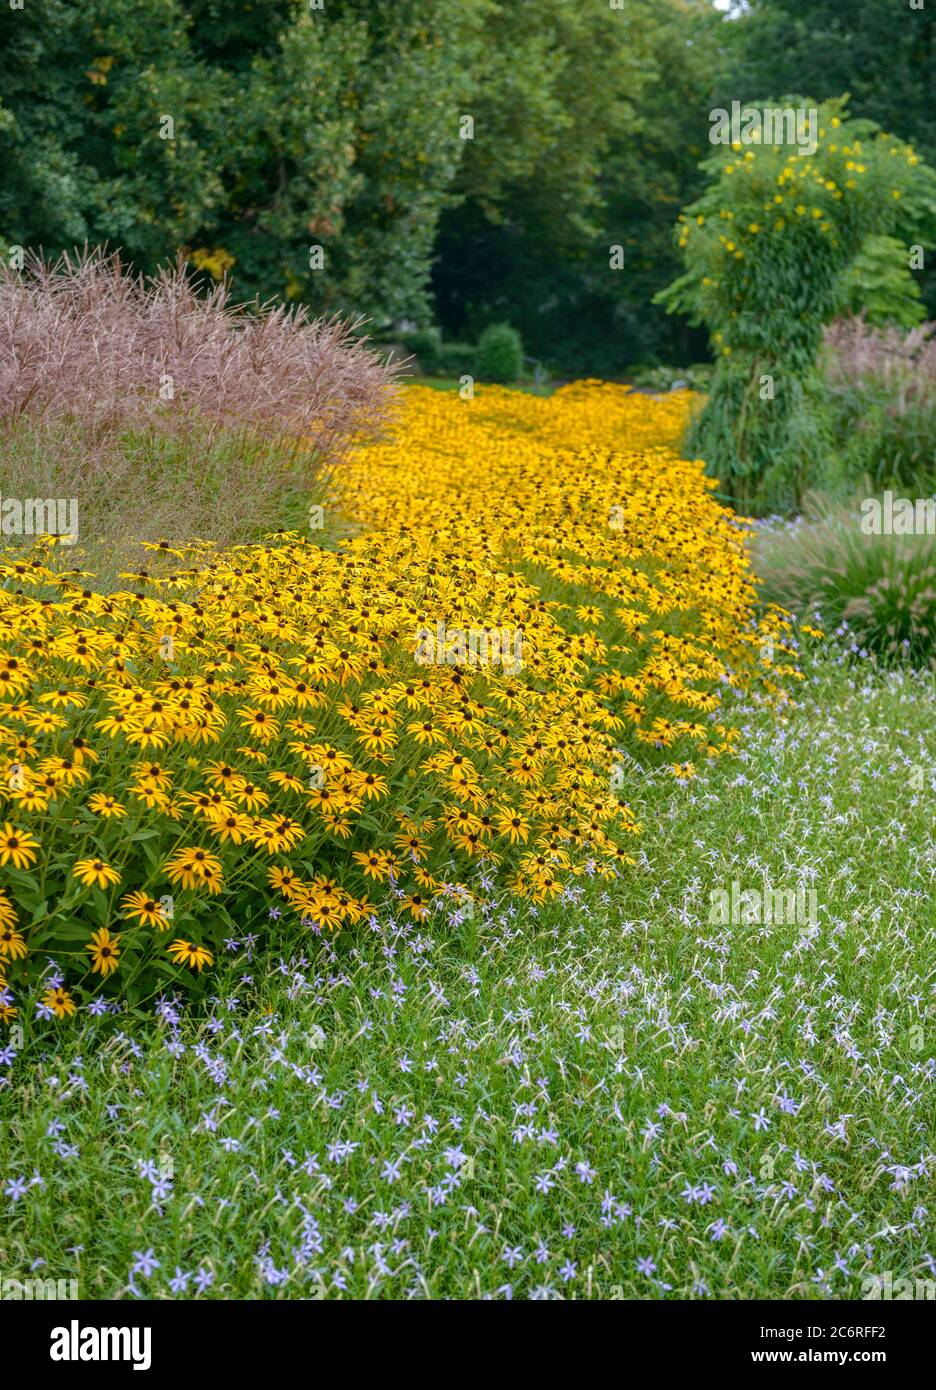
610, 1094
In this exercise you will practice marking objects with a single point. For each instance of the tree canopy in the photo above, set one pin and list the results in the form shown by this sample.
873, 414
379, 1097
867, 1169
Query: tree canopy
418, 160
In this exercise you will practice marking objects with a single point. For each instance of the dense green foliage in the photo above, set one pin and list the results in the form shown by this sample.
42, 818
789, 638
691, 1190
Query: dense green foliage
500, 354
768, 250
880, 285
309, 150
507, 260
417, 161
881, 52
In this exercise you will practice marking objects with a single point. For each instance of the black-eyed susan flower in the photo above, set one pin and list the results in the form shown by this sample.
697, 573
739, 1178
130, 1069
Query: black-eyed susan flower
63, 698
12, 943
515, 826
288, 781
30, 799
337, 823
371, 784
376, 864
186, 953
294, 714
412, 843
105, 951
250, 795
141, 907
187, 867
94, 873
230, 826
17, 847
152, 795
416, 905
59, 1001
260, 724
323, 908
276, 834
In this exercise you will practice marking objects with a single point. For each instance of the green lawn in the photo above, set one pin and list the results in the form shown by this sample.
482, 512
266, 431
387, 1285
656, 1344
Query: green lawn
612, 1096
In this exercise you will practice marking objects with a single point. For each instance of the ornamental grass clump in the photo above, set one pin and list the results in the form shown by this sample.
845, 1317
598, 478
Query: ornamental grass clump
534, 596
161, 411
882, 391
877, 591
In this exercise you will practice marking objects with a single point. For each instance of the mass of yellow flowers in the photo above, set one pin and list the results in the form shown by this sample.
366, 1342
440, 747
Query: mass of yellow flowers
531, 594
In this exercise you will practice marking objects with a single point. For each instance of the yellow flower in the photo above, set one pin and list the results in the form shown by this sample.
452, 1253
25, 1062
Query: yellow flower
588, 613
63, 698
59, 1001
595, 602
231, 825
417, 906
195, 868
377, 864
139, 906
106, 806
262, 725
105, 951
94, 873
12, 944
276, 833
513, 825
185, 953
17, 847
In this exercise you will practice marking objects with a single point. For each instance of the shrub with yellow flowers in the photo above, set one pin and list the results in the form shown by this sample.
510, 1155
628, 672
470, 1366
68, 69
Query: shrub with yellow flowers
769, 249
532, 593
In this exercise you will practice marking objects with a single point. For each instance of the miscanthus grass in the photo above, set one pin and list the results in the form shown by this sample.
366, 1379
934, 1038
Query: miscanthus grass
609, 1095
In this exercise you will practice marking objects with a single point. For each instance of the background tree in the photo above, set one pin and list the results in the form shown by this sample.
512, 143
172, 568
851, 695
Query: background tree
467, 164
289, 129
519, 247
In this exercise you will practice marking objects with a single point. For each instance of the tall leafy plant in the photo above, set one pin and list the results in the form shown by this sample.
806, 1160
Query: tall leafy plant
767, 250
